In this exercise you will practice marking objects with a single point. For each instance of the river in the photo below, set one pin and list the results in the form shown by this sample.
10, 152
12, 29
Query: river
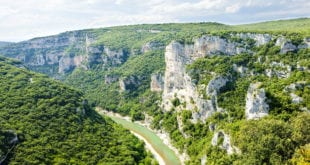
161, 152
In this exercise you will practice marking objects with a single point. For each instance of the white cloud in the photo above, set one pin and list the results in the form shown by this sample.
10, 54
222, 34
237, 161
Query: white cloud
21, 20
233, 8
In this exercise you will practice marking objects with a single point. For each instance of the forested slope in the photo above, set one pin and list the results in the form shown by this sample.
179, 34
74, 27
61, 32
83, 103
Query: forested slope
45, 122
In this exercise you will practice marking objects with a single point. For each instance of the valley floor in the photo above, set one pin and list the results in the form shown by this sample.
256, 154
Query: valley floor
162, 153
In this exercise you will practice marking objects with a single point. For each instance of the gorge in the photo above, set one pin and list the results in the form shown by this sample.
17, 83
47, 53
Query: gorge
223, 94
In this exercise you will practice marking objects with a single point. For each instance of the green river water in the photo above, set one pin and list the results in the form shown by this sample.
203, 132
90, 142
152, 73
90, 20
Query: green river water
163, 150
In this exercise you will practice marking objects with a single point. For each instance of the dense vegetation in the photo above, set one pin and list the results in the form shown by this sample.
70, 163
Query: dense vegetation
54, 124
260, 141
280, 138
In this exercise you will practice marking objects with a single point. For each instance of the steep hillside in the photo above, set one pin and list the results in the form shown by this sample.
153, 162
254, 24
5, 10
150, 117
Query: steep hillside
45, 122
224, 94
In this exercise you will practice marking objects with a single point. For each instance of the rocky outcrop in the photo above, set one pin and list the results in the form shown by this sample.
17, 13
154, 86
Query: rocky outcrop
287, 45
296, 99
109, 79
260, 39
179, 85
94, 53
256, 106
240, 69
203, 160
292, 88
212, 45
279, 70
66, 51
216, 84
129, 83
153, 45
223, 141
67, 64
113, 57
157, 82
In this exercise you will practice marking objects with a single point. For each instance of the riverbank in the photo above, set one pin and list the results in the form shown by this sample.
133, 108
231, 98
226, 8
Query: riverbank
149, 147
162, 136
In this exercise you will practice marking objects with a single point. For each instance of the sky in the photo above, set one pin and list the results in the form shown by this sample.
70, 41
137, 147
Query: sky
25, 19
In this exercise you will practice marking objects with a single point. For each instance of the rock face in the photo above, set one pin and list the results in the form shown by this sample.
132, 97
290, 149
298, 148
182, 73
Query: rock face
216, 84
178, 84
291, 89
154, 45
260, 39
296, 99
240, 69
109, 79
114, 57
225, 144
287, 46
65, 51
129, 83
67, 64
279, 70
210, 45
157, 83
256, 106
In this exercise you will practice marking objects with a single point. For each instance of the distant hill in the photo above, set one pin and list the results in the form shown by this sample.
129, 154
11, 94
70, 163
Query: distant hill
45, 122
4, 43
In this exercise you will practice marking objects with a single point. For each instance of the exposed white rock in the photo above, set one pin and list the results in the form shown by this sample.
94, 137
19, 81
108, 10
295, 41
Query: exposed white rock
53, 56
226, 144
280, 41
260, 39
68, 63
216, 84
212, 127
208, 45
269, 72
204, 160
178, 83
240, 69
285, 44
279, 69
113, 57
287, 47
295, 98
295, 86
129, 83
302, 68
256, 106
157, 83
109, 79
154, 45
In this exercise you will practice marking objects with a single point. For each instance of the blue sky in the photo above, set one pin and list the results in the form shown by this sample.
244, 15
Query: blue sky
25, 19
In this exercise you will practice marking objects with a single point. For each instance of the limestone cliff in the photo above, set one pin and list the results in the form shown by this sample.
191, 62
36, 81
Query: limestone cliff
223, 141
62, 53
256, 106
178, 84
